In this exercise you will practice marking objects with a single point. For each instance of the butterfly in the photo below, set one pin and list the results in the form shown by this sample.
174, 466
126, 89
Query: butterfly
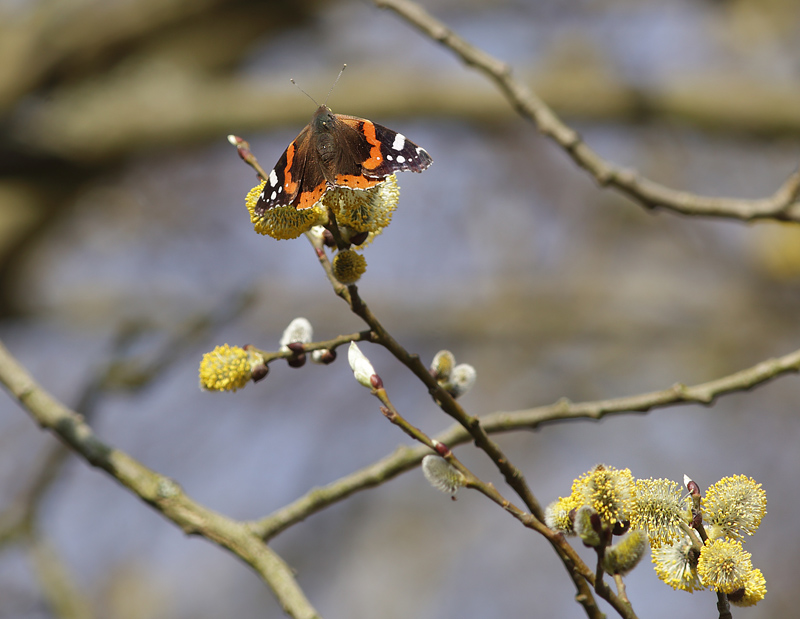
335, 150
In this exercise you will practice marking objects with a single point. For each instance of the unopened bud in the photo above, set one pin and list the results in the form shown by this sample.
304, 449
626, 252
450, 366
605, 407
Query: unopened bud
362, 368
691, 485
260, 371
461, 380
359, 237
327, 238
323, 356
623, 556
298, 331
441, 449
298, 359
587, 525
443, 363
442, 475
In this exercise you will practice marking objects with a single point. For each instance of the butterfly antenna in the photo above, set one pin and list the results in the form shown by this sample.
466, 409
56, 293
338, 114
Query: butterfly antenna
304, 92
336, 81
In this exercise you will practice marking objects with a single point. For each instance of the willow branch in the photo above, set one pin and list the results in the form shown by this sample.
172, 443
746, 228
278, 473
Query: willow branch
449, 405
160, 492
577, 569
406, 458
782, 205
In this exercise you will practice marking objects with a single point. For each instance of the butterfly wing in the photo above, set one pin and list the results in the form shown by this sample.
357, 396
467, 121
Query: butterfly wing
376, 152
295, 179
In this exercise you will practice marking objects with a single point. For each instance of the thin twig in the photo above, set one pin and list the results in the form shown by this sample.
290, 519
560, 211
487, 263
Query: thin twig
406, 458
578, 570
782, 205
580, 574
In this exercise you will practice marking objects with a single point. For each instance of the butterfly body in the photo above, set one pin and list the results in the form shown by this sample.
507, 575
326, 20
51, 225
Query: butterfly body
335, 150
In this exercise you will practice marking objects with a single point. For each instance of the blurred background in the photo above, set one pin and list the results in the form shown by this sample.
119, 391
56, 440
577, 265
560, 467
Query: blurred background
126, 252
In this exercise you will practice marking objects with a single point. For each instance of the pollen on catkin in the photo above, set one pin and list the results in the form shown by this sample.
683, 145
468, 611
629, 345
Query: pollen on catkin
676, 565
724, 565
281, 222
560, 515
608, 491
349, 266
364, 210
657, 509
622, 557
734, 507
754, 590
227, 368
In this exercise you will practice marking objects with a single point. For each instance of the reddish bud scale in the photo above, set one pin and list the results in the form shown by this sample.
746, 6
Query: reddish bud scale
259, 372
388, 414
329, 356
376, 381
359, 238
737, 595
441, 449
597, 523
693, 488
297, 361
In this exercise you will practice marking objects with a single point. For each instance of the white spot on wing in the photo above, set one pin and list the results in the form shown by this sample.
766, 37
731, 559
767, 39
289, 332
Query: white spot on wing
399, 142
272, 197
401, 159
273, 178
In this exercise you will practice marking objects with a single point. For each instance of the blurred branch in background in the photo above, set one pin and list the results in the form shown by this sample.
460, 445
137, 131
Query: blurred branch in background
782, 205
84, 53
123, 371
92, 83
162, 493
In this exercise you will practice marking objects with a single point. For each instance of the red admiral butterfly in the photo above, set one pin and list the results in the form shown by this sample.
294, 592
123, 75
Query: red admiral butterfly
335, 150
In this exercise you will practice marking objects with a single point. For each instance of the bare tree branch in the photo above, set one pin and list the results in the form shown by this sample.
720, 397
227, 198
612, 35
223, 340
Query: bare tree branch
782, 205
407, 458
160, 492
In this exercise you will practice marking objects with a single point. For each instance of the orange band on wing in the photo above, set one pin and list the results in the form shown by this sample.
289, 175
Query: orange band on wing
289, 184
375, 157
307, 199
354, 181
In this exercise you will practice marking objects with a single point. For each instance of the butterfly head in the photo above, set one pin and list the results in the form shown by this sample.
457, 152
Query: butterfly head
323, 119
